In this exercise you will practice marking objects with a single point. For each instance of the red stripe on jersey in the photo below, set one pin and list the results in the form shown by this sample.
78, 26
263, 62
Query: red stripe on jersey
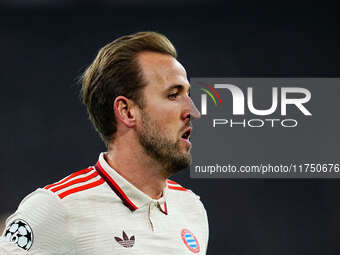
84, 171
176, 188
114, 186
172, 182
83, 179
81, 188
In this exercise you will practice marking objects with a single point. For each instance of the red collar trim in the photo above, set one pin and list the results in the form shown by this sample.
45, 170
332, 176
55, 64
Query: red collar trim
115, 187
165, 210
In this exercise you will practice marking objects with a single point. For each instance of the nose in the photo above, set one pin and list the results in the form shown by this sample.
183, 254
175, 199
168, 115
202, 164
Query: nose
190, 110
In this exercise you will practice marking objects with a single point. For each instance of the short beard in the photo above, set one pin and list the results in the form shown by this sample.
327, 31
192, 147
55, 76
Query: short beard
161, 149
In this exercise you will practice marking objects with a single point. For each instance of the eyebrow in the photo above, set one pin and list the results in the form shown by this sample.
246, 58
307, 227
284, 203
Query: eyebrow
177, 86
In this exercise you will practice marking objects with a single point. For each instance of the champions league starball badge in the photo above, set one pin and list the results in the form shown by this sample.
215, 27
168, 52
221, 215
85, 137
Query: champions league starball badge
20, 233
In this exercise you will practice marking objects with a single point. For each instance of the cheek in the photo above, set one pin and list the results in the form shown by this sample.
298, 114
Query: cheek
167, 116
170, 117
170, 126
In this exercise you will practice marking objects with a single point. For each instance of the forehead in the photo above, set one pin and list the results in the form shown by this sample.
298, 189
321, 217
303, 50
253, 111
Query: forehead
161, 71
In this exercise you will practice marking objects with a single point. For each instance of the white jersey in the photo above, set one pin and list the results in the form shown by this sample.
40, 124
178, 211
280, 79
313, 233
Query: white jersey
97, 211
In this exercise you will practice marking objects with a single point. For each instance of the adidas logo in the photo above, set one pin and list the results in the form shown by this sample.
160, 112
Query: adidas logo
126, 242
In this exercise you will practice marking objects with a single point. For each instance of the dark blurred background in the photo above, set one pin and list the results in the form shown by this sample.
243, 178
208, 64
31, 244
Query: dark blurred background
45, 133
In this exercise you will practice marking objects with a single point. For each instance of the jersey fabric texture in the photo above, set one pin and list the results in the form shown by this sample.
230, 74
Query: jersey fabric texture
97, 211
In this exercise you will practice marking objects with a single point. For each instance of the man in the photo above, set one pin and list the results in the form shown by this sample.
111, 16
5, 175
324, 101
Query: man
137, 97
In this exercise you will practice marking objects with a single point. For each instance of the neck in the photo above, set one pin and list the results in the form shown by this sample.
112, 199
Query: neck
138, 168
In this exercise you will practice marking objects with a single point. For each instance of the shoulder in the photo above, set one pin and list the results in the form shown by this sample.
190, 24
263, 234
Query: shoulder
40, 200
179, 190
83, 180
172, 185
40, 224
184, 195
44, 216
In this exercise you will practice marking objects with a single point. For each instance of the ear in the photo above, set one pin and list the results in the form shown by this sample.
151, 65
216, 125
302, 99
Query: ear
125, 110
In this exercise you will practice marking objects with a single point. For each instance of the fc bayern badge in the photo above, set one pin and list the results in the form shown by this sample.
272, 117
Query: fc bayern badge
190, 240
20, 233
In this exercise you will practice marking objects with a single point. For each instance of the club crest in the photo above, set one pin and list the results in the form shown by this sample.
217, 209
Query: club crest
190, 240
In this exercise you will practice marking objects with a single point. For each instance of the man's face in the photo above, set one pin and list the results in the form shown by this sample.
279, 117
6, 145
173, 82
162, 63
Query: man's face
164, 125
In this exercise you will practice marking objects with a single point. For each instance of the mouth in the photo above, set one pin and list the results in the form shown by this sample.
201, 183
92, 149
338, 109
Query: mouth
187, 133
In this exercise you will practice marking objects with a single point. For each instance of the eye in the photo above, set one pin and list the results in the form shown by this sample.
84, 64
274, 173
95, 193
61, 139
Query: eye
173, 96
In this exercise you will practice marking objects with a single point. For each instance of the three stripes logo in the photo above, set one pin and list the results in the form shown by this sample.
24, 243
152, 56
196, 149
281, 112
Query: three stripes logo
190, 241
211, 92
126, 241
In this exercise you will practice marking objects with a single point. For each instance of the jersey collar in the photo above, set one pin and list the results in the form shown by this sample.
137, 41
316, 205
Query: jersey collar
131, 196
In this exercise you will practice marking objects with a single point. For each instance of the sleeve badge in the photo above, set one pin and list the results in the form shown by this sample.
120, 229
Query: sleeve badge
20, 233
